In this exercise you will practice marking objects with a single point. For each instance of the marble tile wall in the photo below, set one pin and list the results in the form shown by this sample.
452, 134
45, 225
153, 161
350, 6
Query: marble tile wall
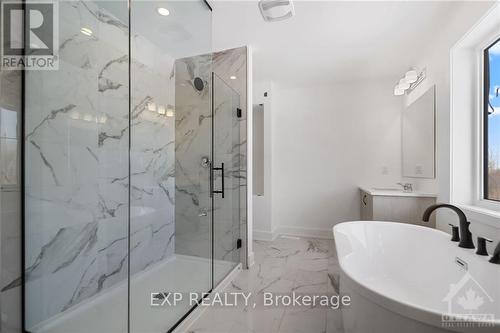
152, 192
193, 128
77, 166
77, 172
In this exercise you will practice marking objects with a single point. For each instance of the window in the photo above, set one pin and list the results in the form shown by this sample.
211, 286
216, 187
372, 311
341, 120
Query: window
491, 138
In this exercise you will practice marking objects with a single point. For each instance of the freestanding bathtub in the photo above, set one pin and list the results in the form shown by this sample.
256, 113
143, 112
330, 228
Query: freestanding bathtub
413, 279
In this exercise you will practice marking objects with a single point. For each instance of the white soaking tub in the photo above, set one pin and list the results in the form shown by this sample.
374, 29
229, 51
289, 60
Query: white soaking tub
413, 279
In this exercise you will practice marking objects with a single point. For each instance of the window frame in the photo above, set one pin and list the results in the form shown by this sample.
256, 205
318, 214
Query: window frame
482, 199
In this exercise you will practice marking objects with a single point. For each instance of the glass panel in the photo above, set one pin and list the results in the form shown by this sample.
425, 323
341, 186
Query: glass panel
10, 202
76, 157
226, 156
492, 122
171, 233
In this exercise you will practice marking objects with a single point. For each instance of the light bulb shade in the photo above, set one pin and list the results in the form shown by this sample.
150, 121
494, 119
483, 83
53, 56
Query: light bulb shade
398, 91
403, 84
411, 76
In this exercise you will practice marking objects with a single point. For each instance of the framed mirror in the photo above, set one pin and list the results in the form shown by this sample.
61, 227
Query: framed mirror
419, 137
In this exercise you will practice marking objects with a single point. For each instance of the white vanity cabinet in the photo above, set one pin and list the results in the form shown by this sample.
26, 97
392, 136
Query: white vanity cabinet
396, 206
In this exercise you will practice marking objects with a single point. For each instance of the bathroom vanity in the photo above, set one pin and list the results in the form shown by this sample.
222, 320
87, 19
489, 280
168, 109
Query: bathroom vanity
395, 205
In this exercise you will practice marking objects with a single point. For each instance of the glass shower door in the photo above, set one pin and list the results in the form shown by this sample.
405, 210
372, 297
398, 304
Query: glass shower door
76, 153
226, 178
170, 153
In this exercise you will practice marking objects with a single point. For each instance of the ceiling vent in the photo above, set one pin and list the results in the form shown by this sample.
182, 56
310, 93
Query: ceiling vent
276, 10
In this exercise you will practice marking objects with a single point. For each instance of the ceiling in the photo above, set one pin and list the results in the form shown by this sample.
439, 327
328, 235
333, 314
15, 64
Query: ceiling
331, 41
325, 42
184, 32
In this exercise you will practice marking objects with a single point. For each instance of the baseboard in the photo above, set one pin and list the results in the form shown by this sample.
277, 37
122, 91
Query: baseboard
264, 235
293, 231
305, 232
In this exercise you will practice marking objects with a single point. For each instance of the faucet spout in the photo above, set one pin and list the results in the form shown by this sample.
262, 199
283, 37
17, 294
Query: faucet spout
465, 234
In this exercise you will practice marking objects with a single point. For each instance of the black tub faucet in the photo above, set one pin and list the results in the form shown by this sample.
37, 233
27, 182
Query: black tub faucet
465, 234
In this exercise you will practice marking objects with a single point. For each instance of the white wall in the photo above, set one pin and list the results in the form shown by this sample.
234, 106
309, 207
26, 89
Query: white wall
326, 141
437, 61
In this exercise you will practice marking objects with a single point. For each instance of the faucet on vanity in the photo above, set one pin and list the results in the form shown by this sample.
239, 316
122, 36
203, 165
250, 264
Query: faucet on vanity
465, 239
407, 187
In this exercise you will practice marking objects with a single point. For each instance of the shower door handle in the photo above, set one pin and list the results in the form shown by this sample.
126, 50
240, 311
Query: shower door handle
221, 169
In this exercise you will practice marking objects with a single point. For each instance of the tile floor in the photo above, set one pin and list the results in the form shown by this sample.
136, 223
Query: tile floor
306, 266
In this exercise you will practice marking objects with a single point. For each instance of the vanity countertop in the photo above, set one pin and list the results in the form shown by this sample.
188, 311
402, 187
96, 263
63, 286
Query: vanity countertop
395, 192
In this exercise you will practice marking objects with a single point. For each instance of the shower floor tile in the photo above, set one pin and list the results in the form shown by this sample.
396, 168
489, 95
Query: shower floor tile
285, 265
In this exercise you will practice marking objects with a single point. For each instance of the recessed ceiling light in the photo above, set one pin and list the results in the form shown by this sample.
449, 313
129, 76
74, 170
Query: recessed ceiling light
86, 31
163, 11
232, 77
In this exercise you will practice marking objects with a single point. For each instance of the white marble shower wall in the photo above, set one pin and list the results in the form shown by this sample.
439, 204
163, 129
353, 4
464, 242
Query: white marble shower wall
193, 128
152, 149
77, 154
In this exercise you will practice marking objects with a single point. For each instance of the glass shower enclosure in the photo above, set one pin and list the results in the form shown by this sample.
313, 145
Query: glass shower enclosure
131, 170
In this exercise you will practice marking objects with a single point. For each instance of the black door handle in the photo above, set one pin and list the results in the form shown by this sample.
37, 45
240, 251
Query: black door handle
221, 168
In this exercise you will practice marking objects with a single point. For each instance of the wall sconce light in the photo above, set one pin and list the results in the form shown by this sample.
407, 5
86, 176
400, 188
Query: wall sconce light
409, 81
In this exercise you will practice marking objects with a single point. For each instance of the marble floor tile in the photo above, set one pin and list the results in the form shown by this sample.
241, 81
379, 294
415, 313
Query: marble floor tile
285, 265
